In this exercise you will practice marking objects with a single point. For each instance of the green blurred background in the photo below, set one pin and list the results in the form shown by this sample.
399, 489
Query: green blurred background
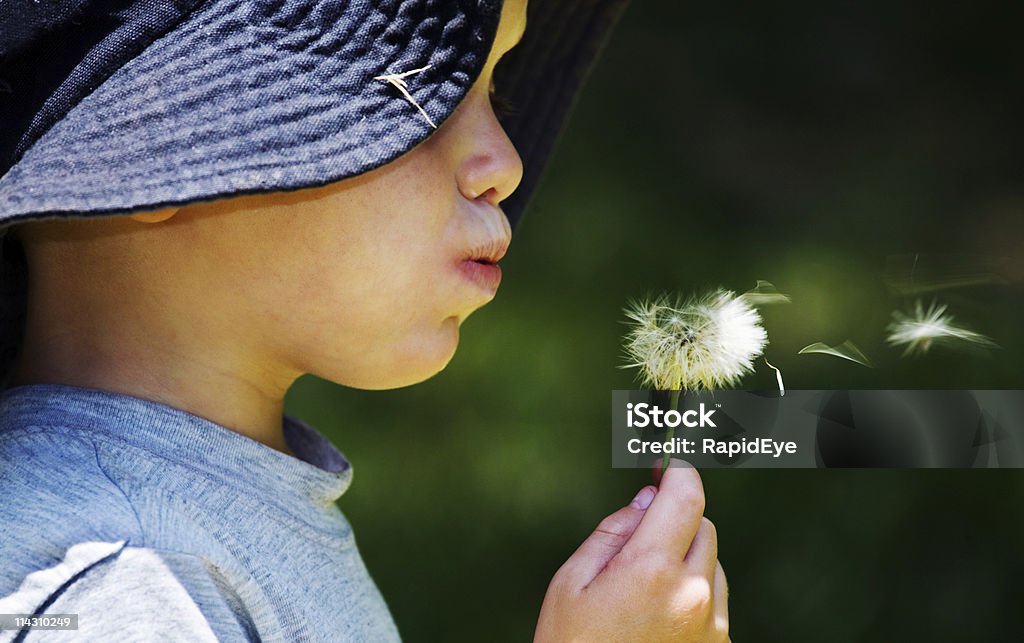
817, 145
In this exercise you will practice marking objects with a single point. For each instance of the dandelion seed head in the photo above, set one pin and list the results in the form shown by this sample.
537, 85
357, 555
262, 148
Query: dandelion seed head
920, 329
702, 343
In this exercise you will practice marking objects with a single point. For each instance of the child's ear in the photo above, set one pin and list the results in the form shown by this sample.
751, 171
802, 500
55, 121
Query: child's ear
154, 216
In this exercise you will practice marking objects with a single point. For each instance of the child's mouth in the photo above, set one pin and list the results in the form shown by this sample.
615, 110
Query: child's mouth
483, 273
490, 253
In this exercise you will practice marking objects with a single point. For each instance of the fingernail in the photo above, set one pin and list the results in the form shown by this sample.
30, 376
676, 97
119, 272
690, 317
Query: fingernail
643, 499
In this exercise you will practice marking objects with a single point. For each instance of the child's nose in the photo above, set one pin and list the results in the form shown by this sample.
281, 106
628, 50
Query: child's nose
491, 169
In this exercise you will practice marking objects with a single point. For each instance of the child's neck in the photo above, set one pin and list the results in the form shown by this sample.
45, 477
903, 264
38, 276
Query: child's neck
205, 386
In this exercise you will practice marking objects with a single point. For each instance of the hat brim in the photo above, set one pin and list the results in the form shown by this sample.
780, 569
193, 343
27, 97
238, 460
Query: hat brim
249, 97
236, 100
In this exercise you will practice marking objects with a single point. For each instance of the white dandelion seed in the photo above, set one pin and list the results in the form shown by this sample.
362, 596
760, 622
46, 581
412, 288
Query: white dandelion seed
847, 350
398, 82
765, 294
703, 343
921, 328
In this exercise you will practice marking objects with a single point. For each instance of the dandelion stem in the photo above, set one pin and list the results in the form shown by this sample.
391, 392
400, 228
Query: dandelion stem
673, 404
778, 376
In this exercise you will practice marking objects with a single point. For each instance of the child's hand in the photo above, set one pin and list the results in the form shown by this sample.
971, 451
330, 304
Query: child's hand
649, 572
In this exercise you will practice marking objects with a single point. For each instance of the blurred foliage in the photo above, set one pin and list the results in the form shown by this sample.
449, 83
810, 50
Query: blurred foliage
804, 143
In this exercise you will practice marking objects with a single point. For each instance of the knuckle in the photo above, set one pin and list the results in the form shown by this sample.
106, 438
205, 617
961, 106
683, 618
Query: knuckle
693, 497
709, 534
614, 532
697, 600
709, 528
614, 526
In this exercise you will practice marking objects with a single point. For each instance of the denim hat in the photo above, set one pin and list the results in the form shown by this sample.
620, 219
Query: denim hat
116, 106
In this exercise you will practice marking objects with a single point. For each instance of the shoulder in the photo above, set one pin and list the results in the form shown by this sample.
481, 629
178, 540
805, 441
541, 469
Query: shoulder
135, 592
50, 475
55, 494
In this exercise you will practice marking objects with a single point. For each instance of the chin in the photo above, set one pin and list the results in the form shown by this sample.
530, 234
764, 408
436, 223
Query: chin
423, 357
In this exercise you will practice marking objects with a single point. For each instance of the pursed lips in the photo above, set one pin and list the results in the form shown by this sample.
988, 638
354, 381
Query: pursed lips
490, 252
480, 264
488, 238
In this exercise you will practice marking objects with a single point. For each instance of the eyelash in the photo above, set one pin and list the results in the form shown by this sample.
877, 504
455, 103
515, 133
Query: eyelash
502, 106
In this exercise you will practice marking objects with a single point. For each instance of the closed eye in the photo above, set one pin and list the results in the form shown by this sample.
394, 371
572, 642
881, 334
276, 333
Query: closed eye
502, 106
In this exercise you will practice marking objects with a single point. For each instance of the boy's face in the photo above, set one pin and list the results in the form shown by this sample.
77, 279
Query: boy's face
364, 282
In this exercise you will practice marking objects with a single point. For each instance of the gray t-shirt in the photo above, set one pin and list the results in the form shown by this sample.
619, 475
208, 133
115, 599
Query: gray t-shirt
151, 523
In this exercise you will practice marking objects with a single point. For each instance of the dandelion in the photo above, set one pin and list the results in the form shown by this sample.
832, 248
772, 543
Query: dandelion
921, 328
702, 343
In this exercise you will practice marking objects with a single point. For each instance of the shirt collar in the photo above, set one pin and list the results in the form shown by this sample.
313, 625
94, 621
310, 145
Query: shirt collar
318, 472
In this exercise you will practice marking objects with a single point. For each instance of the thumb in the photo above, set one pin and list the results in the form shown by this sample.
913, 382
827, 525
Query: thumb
593, 555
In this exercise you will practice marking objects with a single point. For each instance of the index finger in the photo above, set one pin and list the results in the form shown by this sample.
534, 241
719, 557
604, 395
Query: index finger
674, 516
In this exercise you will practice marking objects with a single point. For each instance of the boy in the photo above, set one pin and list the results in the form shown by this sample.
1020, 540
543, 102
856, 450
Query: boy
309, 187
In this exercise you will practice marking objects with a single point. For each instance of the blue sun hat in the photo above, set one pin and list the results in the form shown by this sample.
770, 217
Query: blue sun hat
117, 106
